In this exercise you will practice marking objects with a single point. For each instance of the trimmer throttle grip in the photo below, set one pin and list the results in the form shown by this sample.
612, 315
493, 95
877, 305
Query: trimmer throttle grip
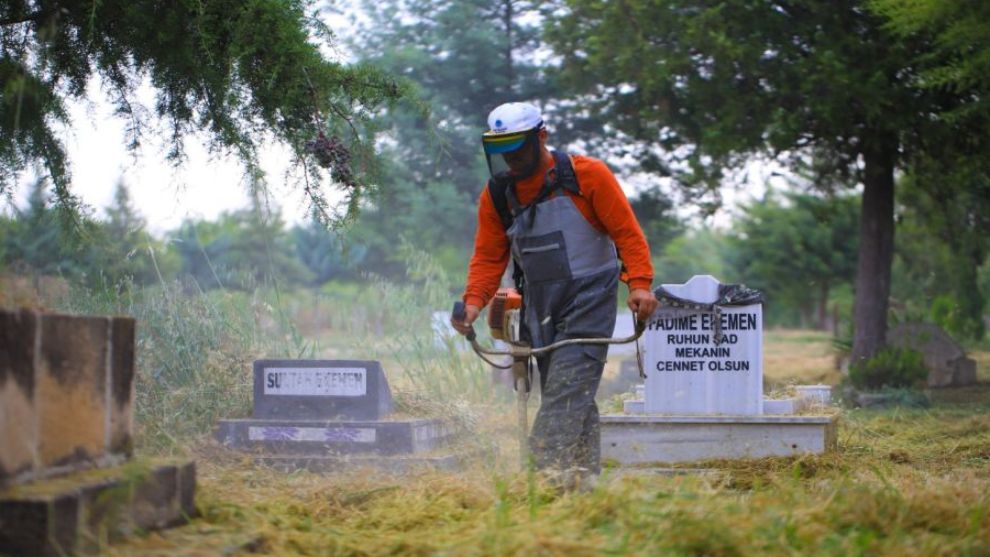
459, 314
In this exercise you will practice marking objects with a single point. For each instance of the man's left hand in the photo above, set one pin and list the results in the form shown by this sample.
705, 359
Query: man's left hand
643, 303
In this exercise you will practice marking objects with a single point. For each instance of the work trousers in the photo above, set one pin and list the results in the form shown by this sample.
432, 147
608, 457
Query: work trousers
566, 433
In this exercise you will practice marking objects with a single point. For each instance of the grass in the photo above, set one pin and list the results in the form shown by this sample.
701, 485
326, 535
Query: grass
799, 356
902, 482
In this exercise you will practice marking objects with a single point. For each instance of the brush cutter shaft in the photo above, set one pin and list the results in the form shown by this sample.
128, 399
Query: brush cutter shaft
523, 351
520, 371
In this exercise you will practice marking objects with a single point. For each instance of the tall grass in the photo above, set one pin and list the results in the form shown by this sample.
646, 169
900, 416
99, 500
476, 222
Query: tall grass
403, 324
195, 348
194, 352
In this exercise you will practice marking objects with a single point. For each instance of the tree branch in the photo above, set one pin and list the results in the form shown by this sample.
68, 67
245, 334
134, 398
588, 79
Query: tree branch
24, 18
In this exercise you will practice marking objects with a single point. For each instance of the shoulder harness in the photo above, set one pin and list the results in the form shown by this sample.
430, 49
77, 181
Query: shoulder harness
561, 176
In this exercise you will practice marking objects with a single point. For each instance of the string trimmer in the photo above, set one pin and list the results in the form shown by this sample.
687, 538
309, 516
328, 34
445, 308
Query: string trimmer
505, 323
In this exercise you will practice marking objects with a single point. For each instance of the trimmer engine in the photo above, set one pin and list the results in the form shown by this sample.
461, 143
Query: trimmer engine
504, 314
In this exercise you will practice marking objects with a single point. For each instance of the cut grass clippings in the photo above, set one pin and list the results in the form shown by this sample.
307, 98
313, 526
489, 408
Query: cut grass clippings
903, 482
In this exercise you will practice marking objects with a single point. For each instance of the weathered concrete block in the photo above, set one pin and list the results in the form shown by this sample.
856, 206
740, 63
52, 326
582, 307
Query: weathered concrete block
43, 526
121, 386
104, 514
156, 499
18, 420
963, 371
80, 512
187, 489
71, 389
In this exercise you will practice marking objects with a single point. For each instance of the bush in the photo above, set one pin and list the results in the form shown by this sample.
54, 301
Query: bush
890, 367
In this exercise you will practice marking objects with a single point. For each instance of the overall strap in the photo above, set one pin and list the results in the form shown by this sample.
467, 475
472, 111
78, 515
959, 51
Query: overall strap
565, 177
561, 176
497, 190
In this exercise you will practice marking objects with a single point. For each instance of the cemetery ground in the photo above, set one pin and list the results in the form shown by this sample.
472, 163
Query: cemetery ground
904, 480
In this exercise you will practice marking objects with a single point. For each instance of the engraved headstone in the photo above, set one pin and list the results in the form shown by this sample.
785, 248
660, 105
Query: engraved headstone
320, 390
704, 361
317, 412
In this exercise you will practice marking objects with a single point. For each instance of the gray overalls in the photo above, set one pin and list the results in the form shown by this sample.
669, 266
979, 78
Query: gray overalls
571, 278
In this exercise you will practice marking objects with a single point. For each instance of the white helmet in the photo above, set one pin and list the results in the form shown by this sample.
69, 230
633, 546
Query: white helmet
510, 127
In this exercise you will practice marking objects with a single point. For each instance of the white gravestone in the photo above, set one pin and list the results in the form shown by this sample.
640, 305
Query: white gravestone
691, 371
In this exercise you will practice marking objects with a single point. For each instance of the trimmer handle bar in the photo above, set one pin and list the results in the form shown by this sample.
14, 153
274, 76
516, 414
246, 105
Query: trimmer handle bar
522, 350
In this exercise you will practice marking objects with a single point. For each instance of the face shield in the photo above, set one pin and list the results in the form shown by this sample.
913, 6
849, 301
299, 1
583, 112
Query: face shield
512, 155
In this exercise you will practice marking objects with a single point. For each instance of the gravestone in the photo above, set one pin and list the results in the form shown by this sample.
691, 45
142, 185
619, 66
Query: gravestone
701, 362
703, 394
68, 478
946, 361
320, 390
326, 409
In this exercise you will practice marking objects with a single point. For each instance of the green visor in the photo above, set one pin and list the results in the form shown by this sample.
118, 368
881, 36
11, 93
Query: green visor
499, 145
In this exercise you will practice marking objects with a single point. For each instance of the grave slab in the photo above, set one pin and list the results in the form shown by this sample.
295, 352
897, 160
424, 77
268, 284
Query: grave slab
320, 390
630, 440
703, 394
72, 514
782, 406
444, 461
334, 437
328, 414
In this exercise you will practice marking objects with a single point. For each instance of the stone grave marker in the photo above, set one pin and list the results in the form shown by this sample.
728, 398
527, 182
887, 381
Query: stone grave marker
68, 479
947, 363
703, 394
308, 413
320, 390
701, 361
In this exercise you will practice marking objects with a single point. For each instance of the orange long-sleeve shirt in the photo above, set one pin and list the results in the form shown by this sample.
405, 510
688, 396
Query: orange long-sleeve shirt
603, 204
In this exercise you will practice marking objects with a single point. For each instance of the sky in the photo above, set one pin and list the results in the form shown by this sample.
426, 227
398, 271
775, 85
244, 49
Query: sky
203, 187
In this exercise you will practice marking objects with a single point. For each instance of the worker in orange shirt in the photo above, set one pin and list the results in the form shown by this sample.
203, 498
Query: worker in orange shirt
565, 223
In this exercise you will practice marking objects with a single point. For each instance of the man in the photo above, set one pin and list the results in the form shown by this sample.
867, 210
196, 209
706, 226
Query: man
560, 218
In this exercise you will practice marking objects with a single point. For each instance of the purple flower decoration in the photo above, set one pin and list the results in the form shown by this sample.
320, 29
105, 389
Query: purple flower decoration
340, 434
280, 433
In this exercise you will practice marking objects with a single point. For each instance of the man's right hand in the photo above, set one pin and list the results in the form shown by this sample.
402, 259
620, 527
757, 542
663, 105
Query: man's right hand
471, 313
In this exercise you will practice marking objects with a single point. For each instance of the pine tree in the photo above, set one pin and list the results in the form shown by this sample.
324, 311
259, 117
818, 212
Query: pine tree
242, 72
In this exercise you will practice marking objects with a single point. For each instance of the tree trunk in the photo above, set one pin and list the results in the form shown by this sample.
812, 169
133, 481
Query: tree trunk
823, 307
509, 66
876, 251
